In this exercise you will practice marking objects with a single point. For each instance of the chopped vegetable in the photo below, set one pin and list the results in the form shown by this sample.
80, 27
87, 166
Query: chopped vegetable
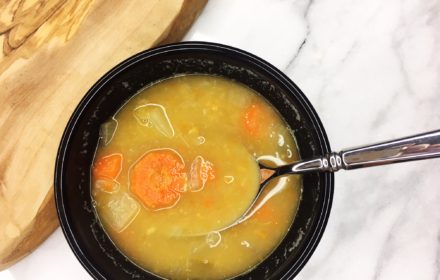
265, 174
107, 185
121, 211
108, 167
201, 171
257, 119
107, 131
154, 115
158, 177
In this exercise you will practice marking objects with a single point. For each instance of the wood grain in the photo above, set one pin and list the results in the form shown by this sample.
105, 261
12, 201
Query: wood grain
53, 51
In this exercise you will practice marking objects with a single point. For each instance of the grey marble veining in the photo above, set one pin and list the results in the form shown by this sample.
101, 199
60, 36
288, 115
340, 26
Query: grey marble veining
372, 71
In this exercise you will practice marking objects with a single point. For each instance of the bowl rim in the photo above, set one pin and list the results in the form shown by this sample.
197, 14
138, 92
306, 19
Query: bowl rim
317, 231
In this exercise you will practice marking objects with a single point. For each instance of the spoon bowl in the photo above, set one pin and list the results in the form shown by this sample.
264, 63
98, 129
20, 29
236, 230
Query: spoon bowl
416, 147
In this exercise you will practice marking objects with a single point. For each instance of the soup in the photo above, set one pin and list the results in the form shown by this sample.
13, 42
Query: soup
177, 165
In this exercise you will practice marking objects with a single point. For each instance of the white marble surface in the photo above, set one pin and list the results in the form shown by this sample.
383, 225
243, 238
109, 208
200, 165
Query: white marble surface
372, 71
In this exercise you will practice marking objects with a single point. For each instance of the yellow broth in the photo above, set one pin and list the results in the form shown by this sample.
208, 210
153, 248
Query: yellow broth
206, 119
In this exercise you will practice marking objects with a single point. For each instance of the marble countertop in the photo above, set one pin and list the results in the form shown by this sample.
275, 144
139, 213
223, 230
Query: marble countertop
372, 72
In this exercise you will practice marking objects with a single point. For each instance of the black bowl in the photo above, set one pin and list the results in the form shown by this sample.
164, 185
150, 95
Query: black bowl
86, 237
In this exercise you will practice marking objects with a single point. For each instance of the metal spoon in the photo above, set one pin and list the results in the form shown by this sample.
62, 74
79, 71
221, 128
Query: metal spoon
417, 147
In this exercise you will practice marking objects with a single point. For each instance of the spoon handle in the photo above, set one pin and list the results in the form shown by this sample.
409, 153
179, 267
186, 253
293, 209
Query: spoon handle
417, 147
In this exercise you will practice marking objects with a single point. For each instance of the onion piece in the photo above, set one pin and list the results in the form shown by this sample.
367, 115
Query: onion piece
154, 115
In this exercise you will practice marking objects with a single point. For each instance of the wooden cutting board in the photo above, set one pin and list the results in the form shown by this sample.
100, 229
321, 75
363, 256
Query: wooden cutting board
53, 52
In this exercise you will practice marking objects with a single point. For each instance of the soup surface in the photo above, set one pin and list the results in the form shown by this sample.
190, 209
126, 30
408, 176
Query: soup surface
178, 163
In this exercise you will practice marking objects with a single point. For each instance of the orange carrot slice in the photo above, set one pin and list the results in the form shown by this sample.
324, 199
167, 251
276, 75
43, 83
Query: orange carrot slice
265, 174
158, 177
108, 167
256, 119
